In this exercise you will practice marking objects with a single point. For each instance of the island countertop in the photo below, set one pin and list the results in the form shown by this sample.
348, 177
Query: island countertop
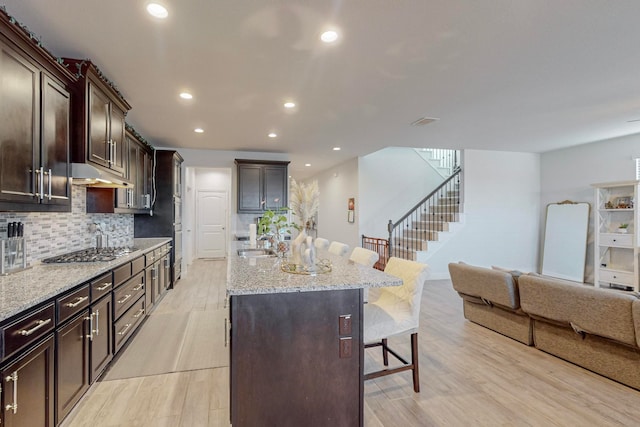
253, 276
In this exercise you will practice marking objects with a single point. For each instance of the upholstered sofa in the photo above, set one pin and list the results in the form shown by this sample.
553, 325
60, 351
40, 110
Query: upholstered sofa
491, 299
598, 329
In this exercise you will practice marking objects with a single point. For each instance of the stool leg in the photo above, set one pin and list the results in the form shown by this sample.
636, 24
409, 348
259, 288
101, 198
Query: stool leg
415, 362
385, 353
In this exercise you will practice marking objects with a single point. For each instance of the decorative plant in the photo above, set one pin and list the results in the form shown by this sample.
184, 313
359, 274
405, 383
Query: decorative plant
275, 223
305, 201
624, 225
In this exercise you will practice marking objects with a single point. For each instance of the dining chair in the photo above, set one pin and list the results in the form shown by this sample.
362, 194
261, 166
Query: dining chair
339, 248
396, 312
322, 244
364, 256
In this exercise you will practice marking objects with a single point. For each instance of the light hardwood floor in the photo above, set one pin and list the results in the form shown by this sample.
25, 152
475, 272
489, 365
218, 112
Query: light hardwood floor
470, 376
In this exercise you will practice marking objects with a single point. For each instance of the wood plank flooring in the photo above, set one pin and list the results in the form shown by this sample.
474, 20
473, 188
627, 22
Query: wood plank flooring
470, 376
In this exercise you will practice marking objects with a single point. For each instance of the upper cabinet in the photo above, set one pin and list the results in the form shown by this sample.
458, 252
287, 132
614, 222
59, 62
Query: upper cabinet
34, 124
262, 185
100, 110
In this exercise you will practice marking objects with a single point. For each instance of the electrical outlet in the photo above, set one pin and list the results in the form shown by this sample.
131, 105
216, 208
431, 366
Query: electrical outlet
346, 345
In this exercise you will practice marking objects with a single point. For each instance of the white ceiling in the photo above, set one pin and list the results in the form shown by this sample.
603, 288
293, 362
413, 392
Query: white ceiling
527, 75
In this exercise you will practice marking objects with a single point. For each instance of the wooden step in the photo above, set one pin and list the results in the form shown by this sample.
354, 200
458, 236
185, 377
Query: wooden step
430, 225
403, 253
410, 244
454, 208
447, 217
421, 234
449, 200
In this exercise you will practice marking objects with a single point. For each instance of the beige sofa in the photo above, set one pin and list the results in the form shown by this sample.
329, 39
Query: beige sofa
598, 329
491, 299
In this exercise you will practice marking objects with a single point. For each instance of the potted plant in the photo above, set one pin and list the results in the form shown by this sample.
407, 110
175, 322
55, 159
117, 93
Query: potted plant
273, 226
622, 228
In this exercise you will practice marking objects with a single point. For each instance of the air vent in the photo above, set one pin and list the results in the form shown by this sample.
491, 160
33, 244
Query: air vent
424, 121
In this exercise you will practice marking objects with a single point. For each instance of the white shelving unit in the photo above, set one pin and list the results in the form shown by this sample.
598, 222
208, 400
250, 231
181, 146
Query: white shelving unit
616, 253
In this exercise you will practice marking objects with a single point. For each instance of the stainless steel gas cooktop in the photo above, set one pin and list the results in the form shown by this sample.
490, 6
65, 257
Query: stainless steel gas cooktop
91, 255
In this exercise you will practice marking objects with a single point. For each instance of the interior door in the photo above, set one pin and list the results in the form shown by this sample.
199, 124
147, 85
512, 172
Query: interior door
211, 219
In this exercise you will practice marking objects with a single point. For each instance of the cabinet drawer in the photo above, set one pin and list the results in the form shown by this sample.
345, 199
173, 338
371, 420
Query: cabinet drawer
615, 276
121, 274
101, 287
127, 324
137, 265
127, 294
72, 303
613, 239
149, 258
28, 329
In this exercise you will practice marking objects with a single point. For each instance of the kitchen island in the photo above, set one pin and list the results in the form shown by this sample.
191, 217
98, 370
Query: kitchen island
296, 342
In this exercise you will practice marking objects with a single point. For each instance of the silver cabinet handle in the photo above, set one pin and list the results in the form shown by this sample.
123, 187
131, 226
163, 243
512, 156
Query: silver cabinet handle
115, 151
103, 287
79, 301
40, 183
139, 313
140, 286
14, 406
39, 324
227, 326
126, 297
126, 327
97, 331
50, 178
90, 319
110, 158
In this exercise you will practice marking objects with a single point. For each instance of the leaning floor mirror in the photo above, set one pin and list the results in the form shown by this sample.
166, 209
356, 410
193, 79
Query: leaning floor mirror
564, 252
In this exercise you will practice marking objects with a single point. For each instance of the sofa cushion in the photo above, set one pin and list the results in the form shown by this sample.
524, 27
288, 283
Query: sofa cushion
489, 285
602, 312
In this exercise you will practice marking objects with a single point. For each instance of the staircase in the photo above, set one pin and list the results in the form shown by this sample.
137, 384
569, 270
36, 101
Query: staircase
423, 230
444, 161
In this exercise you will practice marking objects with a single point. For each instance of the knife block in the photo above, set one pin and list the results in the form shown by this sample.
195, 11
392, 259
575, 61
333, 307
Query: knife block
13, 255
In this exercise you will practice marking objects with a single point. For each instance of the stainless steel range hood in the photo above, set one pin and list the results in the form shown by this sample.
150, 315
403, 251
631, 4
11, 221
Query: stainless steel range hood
89, 176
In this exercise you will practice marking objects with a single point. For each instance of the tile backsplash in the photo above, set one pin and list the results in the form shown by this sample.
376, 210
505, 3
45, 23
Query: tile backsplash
50, 234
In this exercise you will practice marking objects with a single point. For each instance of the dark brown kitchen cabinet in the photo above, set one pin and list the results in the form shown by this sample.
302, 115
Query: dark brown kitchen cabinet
101, 338
290, 362
34, 125
27, 388
72, 369
166, 220
262, 185
139, 162
99, 110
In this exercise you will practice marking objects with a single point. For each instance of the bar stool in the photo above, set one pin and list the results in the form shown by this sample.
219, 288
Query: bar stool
364, 256
339, 248
322, 244
396, 312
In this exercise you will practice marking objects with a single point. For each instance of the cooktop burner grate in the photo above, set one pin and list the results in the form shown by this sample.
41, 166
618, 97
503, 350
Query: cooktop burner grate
90, 255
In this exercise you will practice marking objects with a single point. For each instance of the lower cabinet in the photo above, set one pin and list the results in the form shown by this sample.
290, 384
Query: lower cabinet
72, 373
100, 337
27, 388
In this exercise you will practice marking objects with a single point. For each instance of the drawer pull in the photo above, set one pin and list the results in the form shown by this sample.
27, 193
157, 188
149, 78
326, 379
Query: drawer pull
90, 319
104, 287
97, 330
14, 406
79, 301
126, 297
139, 313
39, 324
126, 327
140, 286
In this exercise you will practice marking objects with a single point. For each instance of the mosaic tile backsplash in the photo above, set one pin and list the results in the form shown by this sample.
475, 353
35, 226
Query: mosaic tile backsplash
50, 234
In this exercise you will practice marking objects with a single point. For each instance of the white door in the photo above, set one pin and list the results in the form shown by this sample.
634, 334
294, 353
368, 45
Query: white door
211, 235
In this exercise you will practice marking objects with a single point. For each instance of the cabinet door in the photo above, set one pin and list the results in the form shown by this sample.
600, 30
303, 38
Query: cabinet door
101, 345
72, 371
19, 127
99, 147
249, 188
119, 151
275, 187
148, 179
149, 288
55, 143
27, 387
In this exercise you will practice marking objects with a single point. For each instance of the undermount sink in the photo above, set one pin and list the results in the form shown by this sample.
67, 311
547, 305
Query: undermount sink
255, 253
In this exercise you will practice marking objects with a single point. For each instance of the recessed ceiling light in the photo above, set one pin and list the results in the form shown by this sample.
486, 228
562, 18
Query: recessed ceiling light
272, 135
186, 95
157, 10
307, 164
336, 148
198, 130
329, 36
289, 104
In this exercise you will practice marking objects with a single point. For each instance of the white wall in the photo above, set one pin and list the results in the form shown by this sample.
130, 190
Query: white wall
501, 210
337, 185
568, 174
392, 181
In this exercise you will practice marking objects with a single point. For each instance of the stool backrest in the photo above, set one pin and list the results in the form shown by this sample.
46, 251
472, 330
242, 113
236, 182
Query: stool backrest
413, 275
339, 248
364, 256
322, 244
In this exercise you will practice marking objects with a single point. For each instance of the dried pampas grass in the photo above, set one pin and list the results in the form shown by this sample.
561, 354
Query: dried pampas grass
305, 200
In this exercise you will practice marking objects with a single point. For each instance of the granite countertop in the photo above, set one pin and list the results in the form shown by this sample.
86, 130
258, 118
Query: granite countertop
250, 276
25, 289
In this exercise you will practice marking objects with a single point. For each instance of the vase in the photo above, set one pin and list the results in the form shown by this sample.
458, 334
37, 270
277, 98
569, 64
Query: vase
298, 247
